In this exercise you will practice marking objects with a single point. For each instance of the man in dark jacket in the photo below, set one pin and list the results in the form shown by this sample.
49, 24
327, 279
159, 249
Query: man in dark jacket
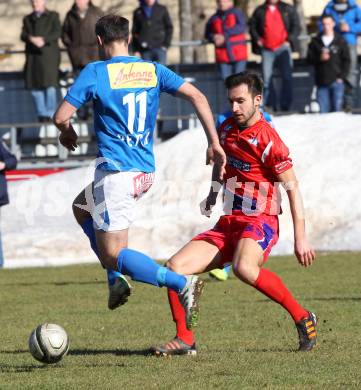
329, 54
226, 29
7, 161
274, 28
78, 33
347, 17
41, 31
78, 36
152, 31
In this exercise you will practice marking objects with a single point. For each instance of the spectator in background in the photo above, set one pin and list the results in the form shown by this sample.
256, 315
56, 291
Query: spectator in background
78, 36
40, 32
227, 30
274, 28
152, 31
7, 161
347, 16
329, 54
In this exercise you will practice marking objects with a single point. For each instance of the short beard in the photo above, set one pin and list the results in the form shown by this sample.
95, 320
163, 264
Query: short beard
244, 123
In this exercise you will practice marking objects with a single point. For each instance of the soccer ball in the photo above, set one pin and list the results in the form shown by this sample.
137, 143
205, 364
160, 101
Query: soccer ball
48, 343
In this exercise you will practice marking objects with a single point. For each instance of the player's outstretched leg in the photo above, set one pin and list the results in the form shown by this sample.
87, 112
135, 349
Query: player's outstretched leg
183, 343
178, 314
174, 347
119, 287
307, 335
197, 256
189, 298
247, 267
272, 286
144, 269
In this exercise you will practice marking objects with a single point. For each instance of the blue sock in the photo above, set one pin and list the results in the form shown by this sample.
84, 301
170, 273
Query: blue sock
228, 269
171, 279
112, 276
88, 229
142, 268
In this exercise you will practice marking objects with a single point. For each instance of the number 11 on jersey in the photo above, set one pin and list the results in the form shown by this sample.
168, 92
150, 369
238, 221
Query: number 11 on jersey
131, 100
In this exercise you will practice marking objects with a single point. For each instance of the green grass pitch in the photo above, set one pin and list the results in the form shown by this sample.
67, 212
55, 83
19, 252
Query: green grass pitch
245, 341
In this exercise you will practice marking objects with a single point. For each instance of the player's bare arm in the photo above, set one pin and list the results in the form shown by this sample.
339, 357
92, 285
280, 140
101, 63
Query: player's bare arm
61, 119
303, 250
215, 152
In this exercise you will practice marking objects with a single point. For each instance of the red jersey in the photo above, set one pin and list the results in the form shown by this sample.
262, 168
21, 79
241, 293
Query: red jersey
255, 156
275, 33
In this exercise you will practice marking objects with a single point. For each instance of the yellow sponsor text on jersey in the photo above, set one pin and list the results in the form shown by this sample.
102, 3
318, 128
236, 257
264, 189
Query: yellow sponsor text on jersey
132, 75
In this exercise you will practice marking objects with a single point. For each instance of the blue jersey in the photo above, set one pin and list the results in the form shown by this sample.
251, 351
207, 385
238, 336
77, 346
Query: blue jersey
125, 93
352, 16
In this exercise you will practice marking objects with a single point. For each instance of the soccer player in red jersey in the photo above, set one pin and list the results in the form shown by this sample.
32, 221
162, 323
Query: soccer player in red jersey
258, 162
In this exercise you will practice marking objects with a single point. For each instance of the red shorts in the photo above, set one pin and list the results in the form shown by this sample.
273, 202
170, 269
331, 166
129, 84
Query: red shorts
231, 228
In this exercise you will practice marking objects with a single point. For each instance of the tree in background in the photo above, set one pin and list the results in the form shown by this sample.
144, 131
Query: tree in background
199, 19
303, 43
186, 33
192, 19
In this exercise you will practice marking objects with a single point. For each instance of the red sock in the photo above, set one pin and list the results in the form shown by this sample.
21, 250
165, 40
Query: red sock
272, 286
179, 318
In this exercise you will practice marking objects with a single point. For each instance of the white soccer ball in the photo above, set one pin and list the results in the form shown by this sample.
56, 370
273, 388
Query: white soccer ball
48, 343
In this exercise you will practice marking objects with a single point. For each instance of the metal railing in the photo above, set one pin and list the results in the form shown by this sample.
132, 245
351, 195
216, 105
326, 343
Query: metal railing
204, 76
190, 43
85, 137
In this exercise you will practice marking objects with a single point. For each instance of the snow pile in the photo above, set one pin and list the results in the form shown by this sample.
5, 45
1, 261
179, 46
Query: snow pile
38, 227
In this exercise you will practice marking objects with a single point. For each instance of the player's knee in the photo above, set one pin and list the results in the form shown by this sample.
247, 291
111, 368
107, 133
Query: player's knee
75, 210
176, 265
245, 271
80, 215
172, 265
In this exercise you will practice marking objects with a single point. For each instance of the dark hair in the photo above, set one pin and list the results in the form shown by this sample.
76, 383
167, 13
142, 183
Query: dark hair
325, 16
251, 79
112, 28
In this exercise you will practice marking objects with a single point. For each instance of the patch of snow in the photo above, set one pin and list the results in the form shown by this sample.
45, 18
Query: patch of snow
38, 227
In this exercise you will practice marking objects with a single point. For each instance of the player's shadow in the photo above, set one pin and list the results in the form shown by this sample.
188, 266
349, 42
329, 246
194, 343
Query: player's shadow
116, 352
8, 368
273, 350
252, 350
330, 299
16, 352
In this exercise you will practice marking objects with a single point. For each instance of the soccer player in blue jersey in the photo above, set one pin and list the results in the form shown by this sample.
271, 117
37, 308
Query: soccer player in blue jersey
125, 92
